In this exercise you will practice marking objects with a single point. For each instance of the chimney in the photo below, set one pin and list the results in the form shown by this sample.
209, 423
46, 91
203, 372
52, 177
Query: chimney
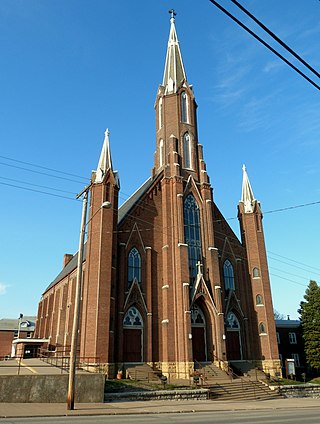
66, 259
288, 317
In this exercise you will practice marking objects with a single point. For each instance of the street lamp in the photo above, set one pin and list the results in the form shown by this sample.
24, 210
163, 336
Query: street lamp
77, 303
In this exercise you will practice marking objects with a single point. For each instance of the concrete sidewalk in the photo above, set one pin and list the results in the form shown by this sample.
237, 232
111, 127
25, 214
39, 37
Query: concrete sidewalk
12, 410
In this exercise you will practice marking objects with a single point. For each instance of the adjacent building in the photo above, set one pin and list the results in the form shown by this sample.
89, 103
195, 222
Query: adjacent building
166, 280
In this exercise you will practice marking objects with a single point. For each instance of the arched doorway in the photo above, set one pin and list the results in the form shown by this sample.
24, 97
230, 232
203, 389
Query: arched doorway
233, 341
199, 336
133, 336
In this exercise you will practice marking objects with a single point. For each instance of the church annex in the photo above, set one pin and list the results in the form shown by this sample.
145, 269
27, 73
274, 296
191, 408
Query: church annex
165, 280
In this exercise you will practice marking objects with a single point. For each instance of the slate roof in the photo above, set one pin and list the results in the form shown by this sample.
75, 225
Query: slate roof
27, 324
287, 323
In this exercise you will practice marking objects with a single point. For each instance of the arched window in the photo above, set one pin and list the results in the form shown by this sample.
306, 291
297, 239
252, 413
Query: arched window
228, 275
232, 322
255, 273
192, 235
262, 328
197, 316
161, 153
186, 151
134, 266
133, 318
184, 107
160, 112
259, 299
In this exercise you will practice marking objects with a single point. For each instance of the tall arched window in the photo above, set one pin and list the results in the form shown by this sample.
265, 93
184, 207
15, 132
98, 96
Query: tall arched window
184, 107
160, 112
255, 272
186, 151
192, 235
228, 275
262, 328
134, 266
259, 299
161, 153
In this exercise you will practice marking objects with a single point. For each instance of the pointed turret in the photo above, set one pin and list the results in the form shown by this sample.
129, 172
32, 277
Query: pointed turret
174, 72
105, 162
247, 196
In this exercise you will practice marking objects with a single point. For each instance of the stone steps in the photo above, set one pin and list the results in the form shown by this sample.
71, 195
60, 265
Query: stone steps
242, 390
143, 372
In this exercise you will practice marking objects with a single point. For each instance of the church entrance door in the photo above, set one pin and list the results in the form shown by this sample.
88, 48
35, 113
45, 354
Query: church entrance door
198, 344
133, 336
132, 345
199, 341
233, 345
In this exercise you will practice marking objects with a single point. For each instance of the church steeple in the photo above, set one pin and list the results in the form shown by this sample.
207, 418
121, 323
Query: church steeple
174, 73
105, 162
247, 196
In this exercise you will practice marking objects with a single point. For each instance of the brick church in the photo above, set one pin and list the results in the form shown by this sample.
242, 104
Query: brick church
166, 281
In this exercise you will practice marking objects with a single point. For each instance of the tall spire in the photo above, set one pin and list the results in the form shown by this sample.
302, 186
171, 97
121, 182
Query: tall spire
105, 162
174, 72
247, 196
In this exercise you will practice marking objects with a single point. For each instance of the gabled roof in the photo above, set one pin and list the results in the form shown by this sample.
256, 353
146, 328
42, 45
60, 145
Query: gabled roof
27, 324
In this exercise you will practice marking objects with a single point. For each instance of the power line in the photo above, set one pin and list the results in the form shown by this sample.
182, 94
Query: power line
37, 185
38, 191
41, 173
43, 167
275, 37
286, 263
288, 279
265, 44
292, 260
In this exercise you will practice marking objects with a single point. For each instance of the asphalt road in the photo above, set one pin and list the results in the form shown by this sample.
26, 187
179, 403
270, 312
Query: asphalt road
275, 416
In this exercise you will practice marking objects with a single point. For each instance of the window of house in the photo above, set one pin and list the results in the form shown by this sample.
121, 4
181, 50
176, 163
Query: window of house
228, 275
255, 273
15, 334
259, 299
262, 328
278, 337
186, 151
292, 338
184, 107
134, 266
192, 235
29, 335
296, 358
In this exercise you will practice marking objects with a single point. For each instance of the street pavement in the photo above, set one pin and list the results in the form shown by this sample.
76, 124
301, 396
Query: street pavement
12, 410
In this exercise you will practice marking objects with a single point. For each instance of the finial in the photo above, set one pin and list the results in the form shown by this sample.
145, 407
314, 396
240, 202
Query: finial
107, 132
173, 14
244, 168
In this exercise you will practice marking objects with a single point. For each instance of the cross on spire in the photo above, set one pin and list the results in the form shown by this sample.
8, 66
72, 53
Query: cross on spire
172, 13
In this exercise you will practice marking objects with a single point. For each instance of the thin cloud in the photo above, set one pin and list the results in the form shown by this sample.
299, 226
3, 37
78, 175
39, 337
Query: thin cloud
3, 289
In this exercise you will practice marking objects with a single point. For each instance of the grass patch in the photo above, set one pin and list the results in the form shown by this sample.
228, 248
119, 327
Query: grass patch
315, 380
118, 386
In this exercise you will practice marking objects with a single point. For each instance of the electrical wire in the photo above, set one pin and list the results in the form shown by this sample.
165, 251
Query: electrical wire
293, 260
265, 44
275, 37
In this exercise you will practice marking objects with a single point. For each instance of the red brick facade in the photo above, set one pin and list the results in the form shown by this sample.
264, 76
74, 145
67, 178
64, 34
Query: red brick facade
142, 299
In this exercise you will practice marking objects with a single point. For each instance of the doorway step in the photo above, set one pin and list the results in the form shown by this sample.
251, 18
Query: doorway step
211, 374
242, 390
142, 372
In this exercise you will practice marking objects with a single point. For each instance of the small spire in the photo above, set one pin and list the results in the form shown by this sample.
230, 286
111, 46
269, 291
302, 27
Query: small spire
105, 162
247, 196
174, 72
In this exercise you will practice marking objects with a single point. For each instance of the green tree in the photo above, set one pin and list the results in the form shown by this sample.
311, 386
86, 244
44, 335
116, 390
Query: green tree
310, 319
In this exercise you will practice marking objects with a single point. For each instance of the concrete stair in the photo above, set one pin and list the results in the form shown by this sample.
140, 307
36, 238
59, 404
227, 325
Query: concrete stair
211, 374
142, 372
242, 390
246, 368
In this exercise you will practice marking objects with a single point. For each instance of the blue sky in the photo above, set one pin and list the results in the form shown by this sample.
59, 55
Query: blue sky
70, 69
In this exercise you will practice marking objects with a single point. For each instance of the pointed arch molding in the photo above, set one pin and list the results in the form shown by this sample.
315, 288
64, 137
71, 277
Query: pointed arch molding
135, 228
200, 289
191, 187
227, 251
135, 297
233, 304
